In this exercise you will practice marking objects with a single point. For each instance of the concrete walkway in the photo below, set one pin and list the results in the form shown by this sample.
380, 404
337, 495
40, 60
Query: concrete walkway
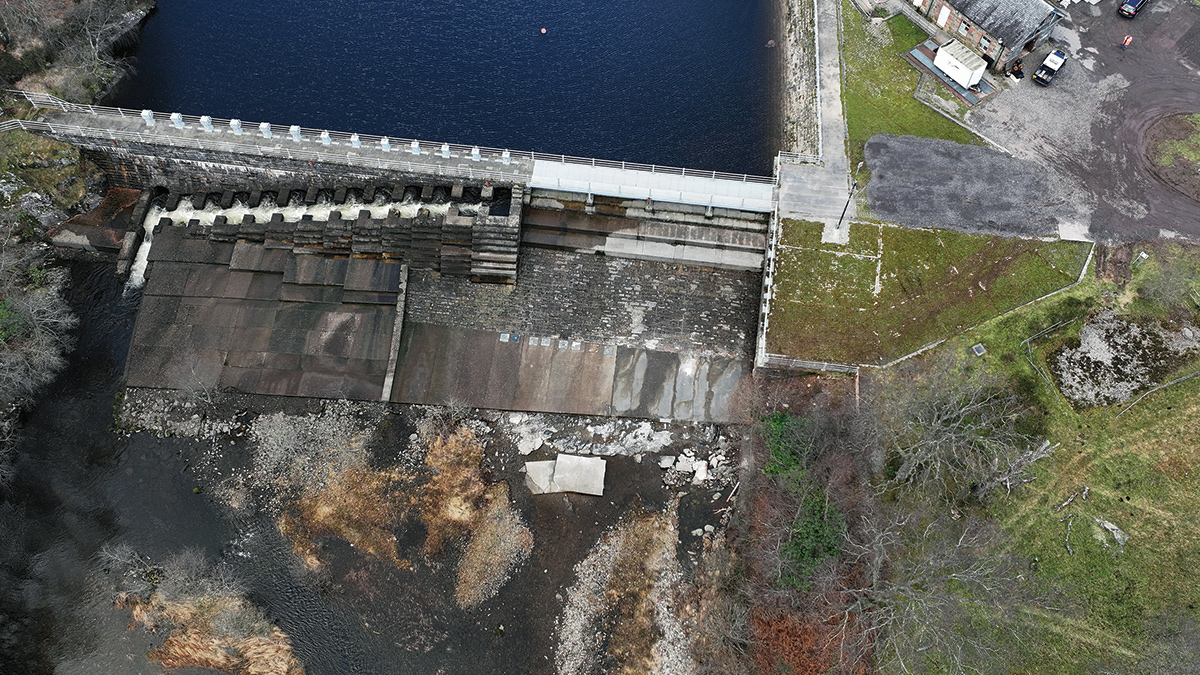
819, 192
693, 187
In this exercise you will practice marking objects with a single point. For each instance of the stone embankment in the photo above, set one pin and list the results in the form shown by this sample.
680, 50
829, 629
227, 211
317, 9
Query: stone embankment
801, 108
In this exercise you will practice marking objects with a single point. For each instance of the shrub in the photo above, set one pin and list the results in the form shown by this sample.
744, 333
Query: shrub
10, 322
816, 536
11, 69
789, 438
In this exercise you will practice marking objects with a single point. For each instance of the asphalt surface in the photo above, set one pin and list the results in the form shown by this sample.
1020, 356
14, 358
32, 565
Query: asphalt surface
1085, 133
922, 182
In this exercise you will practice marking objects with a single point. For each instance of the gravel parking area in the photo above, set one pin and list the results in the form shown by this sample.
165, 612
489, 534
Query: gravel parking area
1088, 128
1084, 136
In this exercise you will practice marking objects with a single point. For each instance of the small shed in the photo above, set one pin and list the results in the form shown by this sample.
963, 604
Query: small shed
960, 63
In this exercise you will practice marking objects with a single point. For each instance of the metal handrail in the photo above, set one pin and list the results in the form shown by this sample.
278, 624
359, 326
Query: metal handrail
400, 145
799, 158
789, 362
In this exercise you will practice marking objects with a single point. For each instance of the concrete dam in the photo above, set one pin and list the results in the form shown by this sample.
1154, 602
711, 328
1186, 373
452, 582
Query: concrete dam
291, 261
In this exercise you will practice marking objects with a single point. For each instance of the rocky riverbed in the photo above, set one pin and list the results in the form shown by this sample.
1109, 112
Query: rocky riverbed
414, 524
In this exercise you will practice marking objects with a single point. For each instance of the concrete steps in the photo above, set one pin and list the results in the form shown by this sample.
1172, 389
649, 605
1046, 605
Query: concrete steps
739, 248
481, 246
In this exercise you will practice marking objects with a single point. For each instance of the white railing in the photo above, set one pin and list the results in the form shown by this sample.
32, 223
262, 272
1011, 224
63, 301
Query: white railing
798, 158
368, 141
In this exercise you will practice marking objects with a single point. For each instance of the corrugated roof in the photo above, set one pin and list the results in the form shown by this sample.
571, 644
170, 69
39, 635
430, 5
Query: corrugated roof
1011, 21
964, 55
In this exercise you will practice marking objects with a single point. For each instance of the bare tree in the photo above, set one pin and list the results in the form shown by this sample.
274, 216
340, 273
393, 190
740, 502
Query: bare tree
88, 33
30, 19
1172, 286
32, 357
925, 588
947, 430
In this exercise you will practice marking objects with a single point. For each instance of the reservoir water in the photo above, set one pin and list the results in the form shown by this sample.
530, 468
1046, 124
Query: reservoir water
672, 82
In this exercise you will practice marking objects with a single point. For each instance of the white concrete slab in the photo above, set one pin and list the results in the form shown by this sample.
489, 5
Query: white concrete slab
539, 476
580, 474
566, 473
1074, 231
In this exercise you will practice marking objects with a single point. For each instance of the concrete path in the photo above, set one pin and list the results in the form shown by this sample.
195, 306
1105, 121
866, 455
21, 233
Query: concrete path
733, 191
819, 192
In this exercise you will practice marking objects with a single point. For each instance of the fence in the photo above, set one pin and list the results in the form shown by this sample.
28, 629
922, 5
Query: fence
348, 158
797, 158
778, 361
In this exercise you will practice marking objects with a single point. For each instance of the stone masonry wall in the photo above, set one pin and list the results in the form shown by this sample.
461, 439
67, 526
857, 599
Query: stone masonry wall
631, 303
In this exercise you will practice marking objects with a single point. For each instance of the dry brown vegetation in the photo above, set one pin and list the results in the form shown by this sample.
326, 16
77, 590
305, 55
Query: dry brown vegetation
722, 637
358, 505
338, 496
499, 543
788, 643
455, 495
627, 607
196, 642
212, 624
456, 502
633, 629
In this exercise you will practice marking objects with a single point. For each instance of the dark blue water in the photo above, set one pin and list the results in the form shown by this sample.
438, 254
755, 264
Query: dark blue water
675, 82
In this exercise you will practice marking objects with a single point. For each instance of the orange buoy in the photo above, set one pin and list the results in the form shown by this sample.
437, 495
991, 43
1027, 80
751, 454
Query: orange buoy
543, 31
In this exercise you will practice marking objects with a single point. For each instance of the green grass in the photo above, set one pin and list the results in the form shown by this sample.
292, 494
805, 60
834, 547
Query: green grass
878, 85
931, 284
1142, 471
1186, 149
1166, 282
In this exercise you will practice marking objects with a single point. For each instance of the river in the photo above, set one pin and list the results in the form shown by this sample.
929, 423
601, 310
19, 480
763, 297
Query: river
672, 82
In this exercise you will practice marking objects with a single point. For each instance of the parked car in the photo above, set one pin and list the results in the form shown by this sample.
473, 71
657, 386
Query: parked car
1130, 8
1050, 67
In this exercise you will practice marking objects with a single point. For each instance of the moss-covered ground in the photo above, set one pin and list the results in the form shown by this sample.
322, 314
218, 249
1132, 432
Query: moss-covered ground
891, 290
31, 163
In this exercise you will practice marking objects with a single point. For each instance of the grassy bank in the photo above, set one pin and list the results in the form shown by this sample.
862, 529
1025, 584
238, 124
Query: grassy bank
878, 85
892, 290
1108, 607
